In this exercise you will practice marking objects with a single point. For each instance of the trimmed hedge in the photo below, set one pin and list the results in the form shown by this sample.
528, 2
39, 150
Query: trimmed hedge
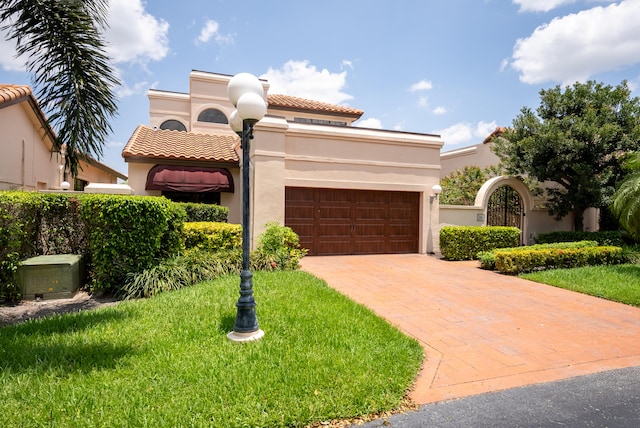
515, 262
603, 238
204, 212
465, 242
488, 258
115, 234
33, 224
212, 236
129, 234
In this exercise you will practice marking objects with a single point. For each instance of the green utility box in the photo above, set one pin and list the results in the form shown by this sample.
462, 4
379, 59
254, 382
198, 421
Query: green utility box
50, 277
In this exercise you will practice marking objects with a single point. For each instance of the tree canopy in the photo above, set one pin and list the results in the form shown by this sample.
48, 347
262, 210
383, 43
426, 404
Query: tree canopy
64, 49
461, 186
577, 139
626, 200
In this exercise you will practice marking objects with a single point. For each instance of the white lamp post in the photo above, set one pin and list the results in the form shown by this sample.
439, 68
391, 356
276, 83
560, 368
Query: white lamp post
246, 93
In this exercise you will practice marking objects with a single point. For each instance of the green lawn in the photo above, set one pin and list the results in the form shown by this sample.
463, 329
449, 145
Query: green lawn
166, 361
620, 283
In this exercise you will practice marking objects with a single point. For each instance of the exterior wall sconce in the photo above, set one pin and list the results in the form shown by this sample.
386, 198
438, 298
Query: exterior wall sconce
437, 189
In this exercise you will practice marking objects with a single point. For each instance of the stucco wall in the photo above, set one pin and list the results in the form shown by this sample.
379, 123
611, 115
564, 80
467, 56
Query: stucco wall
93, 174
26, 161
168, 105
460, 215
303, 155
478, 155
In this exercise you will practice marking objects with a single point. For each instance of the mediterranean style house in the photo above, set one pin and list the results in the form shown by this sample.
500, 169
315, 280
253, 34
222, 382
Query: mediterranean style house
343, 189
28, 160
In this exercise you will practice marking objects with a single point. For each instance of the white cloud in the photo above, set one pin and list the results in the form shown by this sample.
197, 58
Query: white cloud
462, 133
541, 5
8, 60
504, 64
439, 110
577, 46
211, 29
423, 102
300, 79
126, 90
134, 35
483, 129
423, 85
347, 64
370, 122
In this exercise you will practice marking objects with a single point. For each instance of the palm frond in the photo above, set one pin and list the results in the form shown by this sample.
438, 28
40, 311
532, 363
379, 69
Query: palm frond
74, 81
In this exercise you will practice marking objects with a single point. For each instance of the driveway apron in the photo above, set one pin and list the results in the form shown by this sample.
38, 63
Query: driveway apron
483, 331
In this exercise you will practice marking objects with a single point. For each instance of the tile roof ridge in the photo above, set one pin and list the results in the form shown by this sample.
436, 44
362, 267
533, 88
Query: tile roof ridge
283, 100
10, 92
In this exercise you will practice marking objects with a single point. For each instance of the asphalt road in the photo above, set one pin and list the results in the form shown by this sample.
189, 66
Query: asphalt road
608, 399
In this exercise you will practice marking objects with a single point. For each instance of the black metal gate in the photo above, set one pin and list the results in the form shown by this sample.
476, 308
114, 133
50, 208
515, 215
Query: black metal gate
505, 208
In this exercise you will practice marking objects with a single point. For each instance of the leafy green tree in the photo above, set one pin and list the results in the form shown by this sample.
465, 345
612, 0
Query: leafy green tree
64, 50
576, 138
461, 186
626, 200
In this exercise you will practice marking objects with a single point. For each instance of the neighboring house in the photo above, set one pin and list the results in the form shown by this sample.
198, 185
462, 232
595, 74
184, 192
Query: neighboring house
503, 201
28, 160
343, 189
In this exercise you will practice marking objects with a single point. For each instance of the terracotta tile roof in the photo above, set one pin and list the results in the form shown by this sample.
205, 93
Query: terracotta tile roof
496, 133
10, 93
289, 102
165, 144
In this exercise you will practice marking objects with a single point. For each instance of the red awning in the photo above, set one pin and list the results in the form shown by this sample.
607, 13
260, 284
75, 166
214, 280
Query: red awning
189, 179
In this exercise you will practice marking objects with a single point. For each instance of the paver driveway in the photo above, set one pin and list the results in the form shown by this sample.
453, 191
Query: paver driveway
484, 331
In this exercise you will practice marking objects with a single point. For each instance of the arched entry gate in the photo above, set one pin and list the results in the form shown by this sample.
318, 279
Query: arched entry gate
506, 202
505, 208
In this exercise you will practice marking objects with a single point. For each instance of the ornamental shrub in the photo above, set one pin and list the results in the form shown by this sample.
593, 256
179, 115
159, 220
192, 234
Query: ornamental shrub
181, 271
515, 262
33, 223
487, 258
17, 235
128, 234
278, 249
205, 259
602, 237
212, 236
204, 212
465, 242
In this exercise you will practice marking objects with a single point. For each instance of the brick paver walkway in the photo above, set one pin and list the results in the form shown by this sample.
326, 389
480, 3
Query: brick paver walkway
483, 331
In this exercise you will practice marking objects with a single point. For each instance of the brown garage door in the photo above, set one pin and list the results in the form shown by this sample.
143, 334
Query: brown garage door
338, 221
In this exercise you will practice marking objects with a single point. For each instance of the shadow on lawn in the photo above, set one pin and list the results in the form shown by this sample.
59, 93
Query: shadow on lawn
226, 323
53, 345
631, 270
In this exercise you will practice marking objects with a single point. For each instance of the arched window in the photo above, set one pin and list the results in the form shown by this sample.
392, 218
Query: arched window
212, 115
173, 125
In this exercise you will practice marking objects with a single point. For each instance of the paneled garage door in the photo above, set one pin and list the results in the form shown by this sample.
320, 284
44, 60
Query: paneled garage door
338, 221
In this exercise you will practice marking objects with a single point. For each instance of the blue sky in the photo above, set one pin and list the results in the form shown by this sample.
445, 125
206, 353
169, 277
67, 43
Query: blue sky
457, 68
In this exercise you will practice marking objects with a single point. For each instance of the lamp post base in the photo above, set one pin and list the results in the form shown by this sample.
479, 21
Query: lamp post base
245, 337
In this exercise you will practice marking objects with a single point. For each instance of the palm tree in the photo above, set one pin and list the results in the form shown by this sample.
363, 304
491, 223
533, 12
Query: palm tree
64, 50
626, 199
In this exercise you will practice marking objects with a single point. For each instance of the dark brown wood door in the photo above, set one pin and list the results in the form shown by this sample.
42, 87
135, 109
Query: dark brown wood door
339, 221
